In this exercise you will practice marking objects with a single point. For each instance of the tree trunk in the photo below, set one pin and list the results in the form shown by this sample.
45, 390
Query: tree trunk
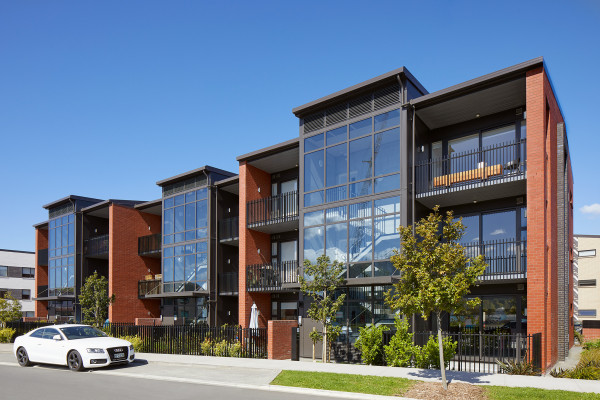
442, 365
324, 343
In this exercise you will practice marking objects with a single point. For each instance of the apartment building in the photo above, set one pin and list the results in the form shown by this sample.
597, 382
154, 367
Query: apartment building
588, 274
17, 272
366, 160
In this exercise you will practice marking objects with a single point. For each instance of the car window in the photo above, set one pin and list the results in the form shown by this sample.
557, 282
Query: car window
82, 332
49, 333
38, 333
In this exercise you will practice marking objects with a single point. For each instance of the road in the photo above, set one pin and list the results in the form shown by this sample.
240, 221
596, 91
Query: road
139, 380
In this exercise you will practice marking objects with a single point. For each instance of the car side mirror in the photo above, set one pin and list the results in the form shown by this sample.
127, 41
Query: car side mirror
56, 337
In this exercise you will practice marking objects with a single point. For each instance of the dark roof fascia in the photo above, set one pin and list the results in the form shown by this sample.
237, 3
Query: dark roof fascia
229, 181
185, 175
267, 151
349, 92
476, 84
18, 251
40, 225
106, 203
415, 81
586, 236
69, 198
148, 204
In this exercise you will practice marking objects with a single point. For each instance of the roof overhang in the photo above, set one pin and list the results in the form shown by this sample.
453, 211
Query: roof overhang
101, 209
206, 169
150, 207
69, 199
280, 157
231, 185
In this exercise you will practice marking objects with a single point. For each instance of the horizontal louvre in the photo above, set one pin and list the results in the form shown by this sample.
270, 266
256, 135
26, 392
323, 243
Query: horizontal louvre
55, 212
361, 106
337, 114
387, 97
314, 122
182, 186
587, 282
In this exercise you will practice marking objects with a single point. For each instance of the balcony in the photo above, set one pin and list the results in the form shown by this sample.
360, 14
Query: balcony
43, 257
42, 291
273, 214
272, 277
506, 259
479, 174
149, 287
150, 245
229, 231
96, 247
228, 283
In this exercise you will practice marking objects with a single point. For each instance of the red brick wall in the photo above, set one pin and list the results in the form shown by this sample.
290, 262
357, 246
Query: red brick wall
251, 179
126, 267
279, 342
591, 333
41, 272
542, 252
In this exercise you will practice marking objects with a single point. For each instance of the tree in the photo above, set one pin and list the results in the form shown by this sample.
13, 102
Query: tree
322, 280
94, 300
10, 310
435, 272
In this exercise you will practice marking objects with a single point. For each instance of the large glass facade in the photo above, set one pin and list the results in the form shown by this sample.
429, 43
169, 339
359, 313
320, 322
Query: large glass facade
61, 255
354, 160
362, 236
185, 247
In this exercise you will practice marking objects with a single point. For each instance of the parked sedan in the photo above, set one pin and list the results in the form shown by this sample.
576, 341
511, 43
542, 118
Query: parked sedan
77, 346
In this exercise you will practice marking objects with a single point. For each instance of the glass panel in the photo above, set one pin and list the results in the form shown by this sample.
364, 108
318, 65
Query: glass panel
360, 188
64, 220
190, 235
179, 200
361, 159
387, 238
179, 219
471, 223
363, 270
190, 268
361, 128
190, 197
314, 243
336, 214
313, 218
57, 234
289, 186
289, 251
71, 234
360, 210
523, 217
51, 279
387, 206
337, 135
336, 165
190, 216
168, 251
387, 152
456, 149
499, 225
313, 171
313, 143
65, 276
201, 193
51, 244
201, 213
387, 120
201, 247
467, 321
337, 242
202, 233
313, 199
499, 314
386, 183
496, 138
384, 268
360, 245
179, 275
336, 194
168, 203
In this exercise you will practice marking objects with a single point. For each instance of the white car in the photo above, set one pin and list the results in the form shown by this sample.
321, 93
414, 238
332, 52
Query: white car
77, 346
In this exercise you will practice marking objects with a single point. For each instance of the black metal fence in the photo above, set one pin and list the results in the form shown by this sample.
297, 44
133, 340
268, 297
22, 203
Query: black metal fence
271, 277
229, 228
471, 168
149, 245
274, 209
96, 246
506, 259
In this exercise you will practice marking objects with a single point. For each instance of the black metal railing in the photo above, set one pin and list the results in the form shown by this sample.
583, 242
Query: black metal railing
42, 291
272, 210
43, 257
473, 168
227, 341
228, 283
506, 259
61, 291
229, 228
96, 246
150, 244
149, 286
268, 277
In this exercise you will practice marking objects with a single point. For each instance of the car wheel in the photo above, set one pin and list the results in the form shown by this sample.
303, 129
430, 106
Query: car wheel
74, 361
23, 357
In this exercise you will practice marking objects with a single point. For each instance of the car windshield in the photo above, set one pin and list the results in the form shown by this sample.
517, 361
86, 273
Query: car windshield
82, 332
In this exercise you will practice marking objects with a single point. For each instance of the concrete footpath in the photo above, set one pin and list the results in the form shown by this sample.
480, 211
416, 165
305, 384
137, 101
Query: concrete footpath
257, 374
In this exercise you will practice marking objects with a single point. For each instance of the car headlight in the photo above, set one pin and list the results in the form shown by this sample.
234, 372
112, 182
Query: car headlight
95, 350
131, 347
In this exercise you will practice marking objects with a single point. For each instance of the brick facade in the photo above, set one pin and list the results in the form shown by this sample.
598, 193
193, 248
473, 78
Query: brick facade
41, 272
279, 334
126, 267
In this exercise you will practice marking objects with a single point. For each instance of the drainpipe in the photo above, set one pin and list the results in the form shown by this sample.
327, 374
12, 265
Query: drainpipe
414, 193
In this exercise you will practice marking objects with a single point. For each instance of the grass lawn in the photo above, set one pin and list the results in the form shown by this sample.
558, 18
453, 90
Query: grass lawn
344, 382
509, 393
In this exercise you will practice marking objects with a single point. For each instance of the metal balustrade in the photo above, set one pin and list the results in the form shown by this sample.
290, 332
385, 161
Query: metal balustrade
96, 246
150, 244
506, 259
272, 210
229, 229
271, 277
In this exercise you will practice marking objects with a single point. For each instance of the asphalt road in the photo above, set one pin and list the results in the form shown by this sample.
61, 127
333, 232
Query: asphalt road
137, 381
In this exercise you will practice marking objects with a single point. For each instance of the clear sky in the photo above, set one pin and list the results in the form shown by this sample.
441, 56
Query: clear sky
102, 99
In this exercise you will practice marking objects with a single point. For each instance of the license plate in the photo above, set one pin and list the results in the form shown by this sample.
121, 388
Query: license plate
119, 355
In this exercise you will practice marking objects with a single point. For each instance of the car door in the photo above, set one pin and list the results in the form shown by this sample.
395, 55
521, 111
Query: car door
54, 351
33, 344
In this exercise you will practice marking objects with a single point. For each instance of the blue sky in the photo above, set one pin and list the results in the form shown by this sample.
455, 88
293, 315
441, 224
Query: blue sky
102, 99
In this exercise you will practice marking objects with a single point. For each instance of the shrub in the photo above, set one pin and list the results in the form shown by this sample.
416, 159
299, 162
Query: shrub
206, 347
6, 335
592, 344
236, 349
578, 336
222, 349
518, 368
400, 351
428, 356
370, 344
136, 341
588, 366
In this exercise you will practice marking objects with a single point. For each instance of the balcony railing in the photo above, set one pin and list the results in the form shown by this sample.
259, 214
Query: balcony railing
228, 283
271, 277
273, 210
473, 168
506, 259
149, 245
43, 257
96, 246
149, 287
229, 229
42, 291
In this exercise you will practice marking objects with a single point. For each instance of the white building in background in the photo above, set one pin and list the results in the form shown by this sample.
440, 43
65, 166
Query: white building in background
17, 277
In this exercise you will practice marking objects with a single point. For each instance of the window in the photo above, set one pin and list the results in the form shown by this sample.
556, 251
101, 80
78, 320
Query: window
61, 260
38, 334
3, 270
28, 314
587, 283
28, 272
26, 294
587, 313
580, 253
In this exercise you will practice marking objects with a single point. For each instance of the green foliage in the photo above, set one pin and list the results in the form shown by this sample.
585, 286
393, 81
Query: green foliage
136, 341
428, 356
94, 300
6, 335
370, 344
588, 366
400, 351
235, 349
592, 344
513, 367
10, 310
222, 349
578, 336
324, 278
315, 336
206, 347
